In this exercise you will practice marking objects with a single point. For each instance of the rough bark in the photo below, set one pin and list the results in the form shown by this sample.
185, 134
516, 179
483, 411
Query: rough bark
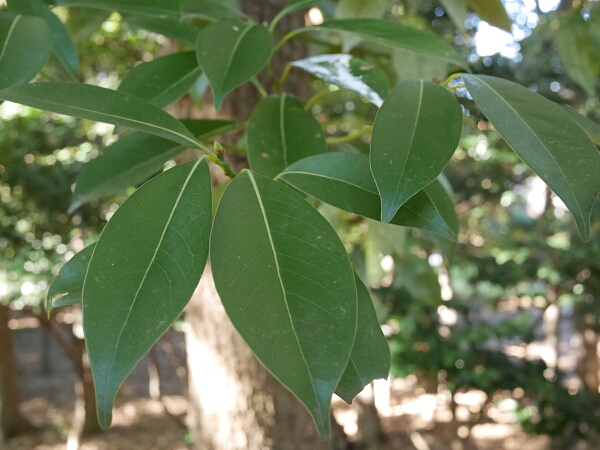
12, 422
235, 404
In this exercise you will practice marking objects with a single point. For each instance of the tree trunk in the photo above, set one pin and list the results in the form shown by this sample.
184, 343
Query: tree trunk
11, 420
235, 404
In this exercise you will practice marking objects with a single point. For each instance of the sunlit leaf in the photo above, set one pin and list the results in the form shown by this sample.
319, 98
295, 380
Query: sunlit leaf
25, 45
66, 288
370, 358
348, 72
344, 180
280, 132
547, 138
286, 282
143, 271
415, 134
100, 104
230, 52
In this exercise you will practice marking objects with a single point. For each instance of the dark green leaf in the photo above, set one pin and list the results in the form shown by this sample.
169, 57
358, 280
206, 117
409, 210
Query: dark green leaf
63, 47
158, 8
344, 180
171, 27
230, 52
577, 51
280, 132
591, 128
163, 80
492, 11
556, 148
415, 134
66, 288
457, 10
348, 72
287, 285
132, 160
83, 22
370, 358
143, 271
102, 105
209, 9
396, 35
25, 45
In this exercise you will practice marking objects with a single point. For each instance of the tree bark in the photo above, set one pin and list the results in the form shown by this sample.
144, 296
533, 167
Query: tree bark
12, 422
235, 404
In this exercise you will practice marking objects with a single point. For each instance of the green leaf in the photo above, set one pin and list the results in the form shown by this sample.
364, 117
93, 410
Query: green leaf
415, 134
492, 11
577, 51
286, 283
354, 9
348, 72
556, 148
102, 105
158, 8
83, 22
344, 180
414, 66
594, 24
280, 132
172, 27
66, 288
370, 358
231, 52
132, 160
25, 45
457, 11
143, 271
210, 10
591, 128
163, 80
63, 48
396, 35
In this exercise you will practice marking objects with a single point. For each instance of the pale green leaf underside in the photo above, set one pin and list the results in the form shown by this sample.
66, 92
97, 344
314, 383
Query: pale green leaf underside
547, 138
66, 288
285, 280
143, 271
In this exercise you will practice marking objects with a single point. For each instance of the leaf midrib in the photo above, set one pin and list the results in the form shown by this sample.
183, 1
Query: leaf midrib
233, 52
9, 35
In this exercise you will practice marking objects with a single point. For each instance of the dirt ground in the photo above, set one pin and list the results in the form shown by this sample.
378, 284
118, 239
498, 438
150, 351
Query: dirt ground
410, 418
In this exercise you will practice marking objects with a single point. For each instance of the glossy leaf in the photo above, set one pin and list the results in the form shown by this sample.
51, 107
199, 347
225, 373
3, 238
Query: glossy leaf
370, 358
577, 51
396, 35
143, 271
286, 283
132, 160
348, 72
492, 11
66, 288
344, 180
100, 104
163, 80
280, 132
25, 45
556, 148
591, 128
457, 11
415, 134
230, 52
63, 47
172, 27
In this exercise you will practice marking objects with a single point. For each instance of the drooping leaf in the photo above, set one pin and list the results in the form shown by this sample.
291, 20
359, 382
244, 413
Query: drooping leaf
293, 6
286, 283
591, 128
457, 10
25, 45
492, 11
102, 105
397, 35
172, 27
83, 22
547, 138
157, 8
143, 271
210, 10
577, 51
348, 72
440, 192
415, 134
66, 288
415, 66
280, 132
355, 9
163, 80
370, 357
63, 48
230, 52
132, 160
344, 180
